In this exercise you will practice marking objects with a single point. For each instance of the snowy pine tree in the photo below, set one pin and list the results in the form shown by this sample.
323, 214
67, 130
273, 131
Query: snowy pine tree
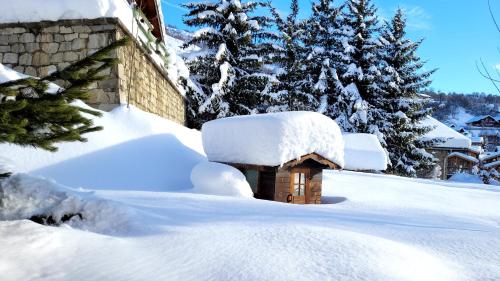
228, 72
360, 68
323, 42
292, 91
403, 107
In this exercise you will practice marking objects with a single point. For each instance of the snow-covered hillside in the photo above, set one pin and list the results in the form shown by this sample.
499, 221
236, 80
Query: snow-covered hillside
370, 227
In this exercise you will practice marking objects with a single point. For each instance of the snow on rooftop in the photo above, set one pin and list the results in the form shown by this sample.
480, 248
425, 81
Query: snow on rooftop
364, 152
477, 139
272, 139
479, 118
492, 164
54, 10
464, 156
452, 138
8, 74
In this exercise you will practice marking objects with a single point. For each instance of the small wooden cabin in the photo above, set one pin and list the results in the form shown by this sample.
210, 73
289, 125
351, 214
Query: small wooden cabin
298, 181
459, 163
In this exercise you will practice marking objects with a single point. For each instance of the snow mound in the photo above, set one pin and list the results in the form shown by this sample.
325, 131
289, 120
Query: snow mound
219, 179
135, 151
8, 74
452, 138
364, 152
6, 165
23, 197
272, 139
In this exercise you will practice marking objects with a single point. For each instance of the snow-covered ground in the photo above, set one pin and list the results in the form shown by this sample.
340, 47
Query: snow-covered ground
370, 227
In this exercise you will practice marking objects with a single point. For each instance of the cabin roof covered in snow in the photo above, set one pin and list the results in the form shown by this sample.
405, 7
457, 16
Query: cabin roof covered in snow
363, 152
490, 156
273, 139
463, 156
451, 138
482, 117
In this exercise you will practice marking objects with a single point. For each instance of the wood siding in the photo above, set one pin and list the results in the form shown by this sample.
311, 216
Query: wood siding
458, 165
267, 179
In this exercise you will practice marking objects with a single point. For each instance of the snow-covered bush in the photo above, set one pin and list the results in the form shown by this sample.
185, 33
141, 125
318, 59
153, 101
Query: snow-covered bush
26, 197
219, 179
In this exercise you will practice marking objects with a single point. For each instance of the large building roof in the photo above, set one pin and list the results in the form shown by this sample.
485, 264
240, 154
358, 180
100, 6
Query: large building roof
449, 138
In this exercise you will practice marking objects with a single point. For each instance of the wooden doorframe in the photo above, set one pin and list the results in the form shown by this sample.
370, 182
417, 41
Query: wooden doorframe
307, 173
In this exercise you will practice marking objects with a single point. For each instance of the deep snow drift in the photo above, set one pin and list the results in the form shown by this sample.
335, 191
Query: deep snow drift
23, 197
272, 139
371, 228
363, 152
219, 179
135, 151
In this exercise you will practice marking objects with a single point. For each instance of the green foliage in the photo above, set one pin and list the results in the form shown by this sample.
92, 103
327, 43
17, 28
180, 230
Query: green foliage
31, 116
228, 76
403, 107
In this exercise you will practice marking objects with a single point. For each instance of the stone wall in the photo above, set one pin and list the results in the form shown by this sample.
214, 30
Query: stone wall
146, 86
41, 48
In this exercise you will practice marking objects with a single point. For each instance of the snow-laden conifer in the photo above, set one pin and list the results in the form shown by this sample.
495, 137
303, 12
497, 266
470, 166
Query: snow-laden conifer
228, 70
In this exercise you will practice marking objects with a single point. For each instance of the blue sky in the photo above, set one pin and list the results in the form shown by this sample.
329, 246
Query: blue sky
457, 34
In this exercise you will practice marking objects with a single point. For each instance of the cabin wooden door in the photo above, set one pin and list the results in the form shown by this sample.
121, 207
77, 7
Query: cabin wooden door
299, 185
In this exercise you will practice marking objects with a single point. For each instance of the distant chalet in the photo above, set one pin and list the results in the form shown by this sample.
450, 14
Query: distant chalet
39, 37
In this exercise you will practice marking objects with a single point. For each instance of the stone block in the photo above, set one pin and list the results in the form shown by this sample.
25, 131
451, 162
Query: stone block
25, 59
4, 40
97, 41
10, 58
27, 38
17, 48
14, 38
58, 38
103, 27
4, 49
81, 29
50, 48
45, 38
70, 37
108, 84
78, 44
70, 56
84, 35
40, 59
66, 29
19, 69
47, 70
6, 31
57, 58
18, 30
63, 65
30, 70
51, 29
32, 47
65, 46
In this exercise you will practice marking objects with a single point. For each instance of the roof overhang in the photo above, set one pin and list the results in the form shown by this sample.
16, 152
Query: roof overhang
315, 157
152, 11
